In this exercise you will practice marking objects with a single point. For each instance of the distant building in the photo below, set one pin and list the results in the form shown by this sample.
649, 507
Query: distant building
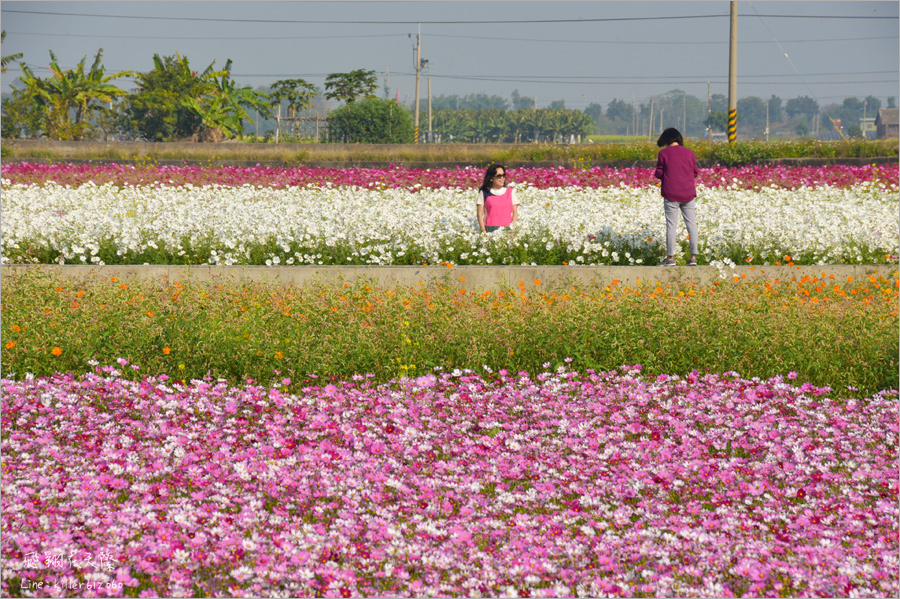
886, 123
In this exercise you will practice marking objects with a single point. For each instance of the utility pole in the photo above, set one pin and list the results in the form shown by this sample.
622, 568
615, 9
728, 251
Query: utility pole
767, 120
278, 123
732, 77
429, 109
708, 112
650, 123
683, 115
418, 69
864, 119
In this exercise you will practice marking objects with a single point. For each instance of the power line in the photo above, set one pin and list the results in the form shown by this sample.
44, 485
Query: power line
218, 37
511, 39
506, 22
640, 43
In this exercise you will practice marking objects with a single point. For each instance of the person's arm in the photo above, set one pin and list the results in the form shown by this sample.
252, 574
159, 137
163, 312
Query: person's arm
515, 206
660, 164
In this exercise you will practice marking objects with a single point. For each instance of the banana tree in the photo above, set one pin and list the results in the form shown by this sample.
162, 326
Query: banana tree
69, 96
221, 106
494, 124
518, 121
7, 59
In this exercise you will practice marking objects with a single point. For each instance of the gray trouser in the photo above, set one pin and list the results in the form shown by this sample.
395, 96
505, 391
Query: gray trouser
689, 214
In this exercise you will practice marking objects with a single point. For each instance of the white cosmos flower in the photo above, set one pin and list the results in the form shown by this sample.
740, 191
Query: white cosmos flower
322, 225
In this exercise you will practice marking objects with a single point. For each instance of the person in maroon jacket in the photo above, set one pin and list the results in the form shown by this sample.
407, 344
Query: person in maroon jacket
676, 167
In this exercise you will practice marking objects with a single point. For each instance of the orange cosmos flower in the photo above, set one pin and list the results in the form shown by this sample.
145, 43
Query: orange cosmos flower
10, 344
167, 350
56, 351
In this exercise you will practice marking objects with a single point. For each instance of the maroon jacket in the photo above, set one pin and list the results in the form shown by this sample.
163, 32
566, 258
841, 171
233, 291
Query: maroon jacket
676, 167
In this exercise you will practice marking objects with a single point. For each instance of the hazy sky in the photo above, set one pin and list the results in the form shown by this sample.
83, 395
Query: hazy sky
580, 52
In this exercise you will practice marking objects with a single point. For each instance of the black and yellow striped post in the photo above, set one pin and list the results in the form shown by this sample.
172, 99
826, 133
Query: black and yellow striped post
732, 125
732, 76
416, 134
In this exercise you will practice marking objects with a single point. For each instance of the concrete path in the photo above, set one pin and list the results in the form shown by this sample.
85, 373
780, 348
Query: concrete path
470, 278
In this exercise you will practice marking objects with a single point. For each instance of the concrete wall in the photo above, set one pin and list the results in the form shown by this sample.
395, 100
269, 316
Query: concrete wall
469, 278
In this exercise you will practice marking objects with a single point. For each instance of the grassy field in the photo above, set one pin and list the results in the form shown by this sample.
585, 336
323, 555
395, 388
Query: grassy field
624, 150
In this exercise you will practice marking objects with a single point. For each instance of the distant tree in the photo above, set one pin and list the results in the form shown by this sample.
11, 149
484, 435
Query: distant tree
22, 116
872, 105
557, 105
852, 106
349, 87
372, 121
802, 129
776, 109
519, 102
298, 93
484, 102
443, 102
803, 105
892, 102
752, 111
854, 131
594, 111
718, 103
718, 121
618, 110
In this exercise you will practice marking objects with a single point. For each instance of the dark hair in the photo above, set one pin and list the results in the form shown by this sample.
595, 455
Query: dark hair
670, 136
489, 176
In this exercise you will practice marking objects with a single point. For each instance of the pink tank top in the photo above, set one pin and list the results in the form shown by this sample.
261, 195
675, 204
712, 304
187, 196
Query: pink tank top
498, 209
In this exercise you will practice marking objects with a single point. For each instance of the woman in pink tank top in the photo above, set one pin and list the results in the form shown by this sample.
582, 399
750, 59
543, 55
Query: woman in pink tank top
497, 206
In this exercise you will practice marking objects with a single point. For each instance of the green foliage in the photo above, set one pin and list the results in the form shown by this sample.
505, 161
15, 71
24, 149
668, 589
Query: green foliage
351, 86
372, 121
7, 59
156, 110
298, 93
845, 334
499, 126
60, 106
174, 102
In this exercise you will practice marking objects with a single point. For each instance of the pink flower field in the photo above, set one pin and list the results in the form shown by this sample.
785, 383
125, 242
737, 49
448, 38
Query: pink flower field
452, 484
748, 177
